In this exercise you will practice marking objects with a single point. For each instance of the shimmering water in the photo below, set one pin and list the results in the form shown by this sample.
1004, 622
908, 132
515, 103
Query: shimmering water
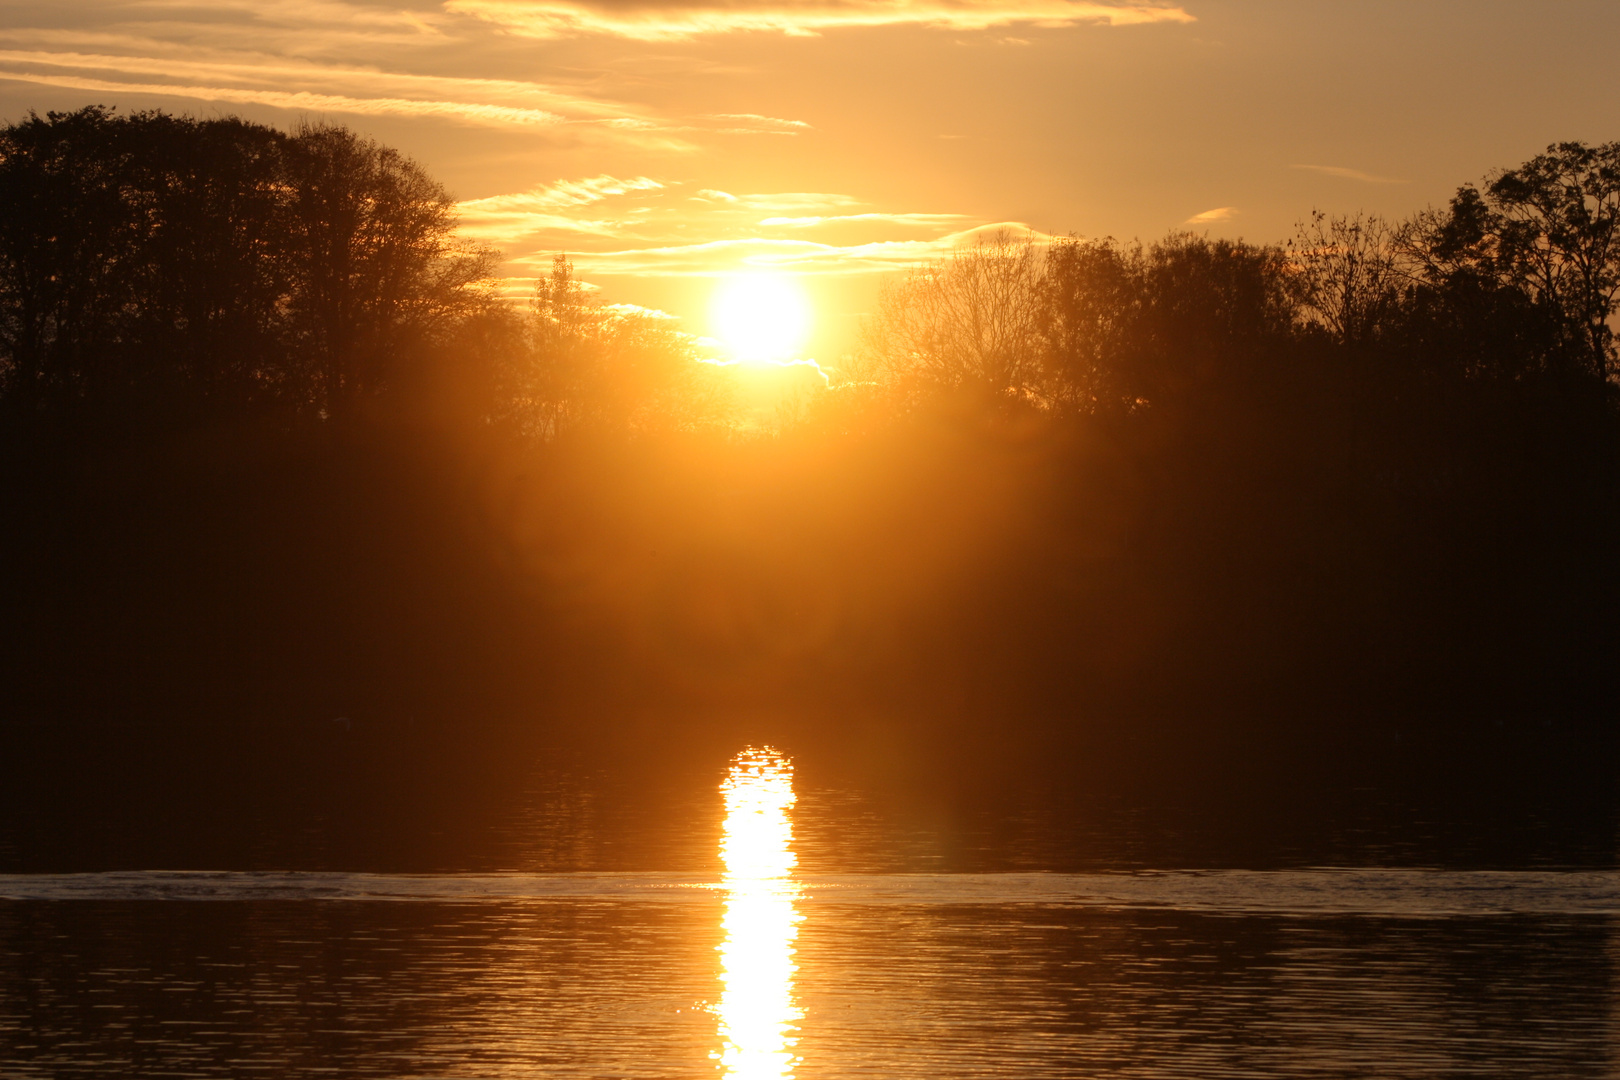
770, 968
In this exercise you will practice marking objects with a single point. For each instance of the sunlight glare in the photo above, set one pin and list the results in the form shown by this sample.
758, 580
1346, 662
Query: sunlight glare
756, 960
761, 317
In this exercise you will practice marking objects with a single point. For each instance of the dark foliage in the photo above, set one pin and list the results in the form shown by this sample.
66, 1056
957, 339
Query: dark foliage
156, 270
272, 457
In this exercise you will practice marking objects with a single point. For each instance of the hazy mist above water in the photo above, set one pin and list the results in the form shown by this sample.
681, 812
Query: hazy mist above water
629, 816
655, 809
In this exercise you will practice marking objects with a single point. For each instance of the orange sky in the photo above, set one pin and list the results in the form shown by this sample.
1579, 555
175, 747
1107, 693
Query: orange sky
664, 143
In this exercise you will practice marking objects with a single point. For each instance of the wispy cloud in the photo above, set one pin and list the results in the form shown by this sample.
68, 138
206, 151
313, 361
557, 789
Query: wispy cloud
303, 100
362, 92
550, 208
653, 211
754, 123
1344, 173
780, 254
1220, 213
279, 12
254, 71
567, 193
259, 80
330, 28
614, 227
839, 219
778, 202
566, 18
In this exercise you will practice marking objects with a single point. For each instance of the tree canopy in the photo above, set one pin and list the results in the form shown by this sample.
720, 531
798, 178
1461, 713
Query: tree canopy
153, 262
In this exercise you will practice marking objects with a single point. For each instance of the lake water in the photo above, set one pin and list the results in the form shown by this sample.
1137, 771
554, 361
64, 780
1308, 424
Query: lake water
771, 961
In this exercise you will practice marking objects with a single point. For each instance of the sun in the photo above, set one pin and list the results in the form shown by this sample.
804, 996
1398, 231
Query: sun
760, 317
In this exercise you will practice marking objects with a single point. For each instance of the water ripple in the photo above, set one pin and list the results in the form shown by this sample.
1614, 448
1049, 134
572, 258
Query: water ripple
1407, 893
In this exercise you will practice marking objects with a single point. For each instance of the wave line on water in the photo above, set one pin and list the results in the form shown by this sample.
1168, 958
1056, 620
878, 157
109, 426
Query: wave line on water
1299, 892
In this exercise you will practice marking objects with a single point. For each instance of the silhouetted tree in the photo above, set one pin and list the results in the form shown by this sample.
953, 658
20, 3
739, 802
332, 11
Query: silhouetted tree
1210, 310
139, 259
1089, 326
1345, 276
1551, 228
968, 324
1090, 305
616, 368
207, 287
372, 261
152, 263
554, 383
68, 240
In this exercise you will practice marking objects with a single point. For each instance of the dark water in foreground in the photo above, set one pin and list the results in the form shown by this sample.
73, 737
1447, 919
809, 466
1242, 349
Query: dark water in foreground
771, 935
1279, 974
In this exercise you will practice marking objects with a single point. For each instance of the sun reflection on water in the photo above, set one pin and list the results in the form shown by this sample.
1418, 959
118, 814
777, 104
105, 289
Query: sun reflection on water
756, 1007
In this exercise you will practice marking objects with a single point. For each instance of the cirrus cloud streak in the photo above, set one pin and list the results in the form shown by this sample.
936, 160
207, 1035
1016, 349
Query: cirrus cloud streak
786, 255
648, 229
304, 100
569, 18
249, 80
1209, 217
1344, 173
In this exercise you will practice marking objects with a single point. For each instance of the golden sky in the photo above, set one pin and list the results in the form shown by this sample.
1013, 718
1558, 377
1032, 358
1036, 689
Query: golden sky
663, 142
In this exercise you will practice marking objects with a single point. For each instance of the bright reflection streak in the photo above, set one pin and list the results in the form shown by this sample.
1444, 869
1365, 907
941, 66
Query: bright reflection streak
756, 961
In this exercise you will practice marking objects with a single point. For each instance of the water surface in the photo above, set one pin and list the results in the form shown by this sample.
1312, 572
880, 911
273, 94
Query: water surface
756, 966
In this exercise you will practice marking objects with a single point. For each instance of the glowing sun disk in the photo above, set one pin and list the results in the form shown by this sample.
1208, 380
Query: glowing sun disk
760, 317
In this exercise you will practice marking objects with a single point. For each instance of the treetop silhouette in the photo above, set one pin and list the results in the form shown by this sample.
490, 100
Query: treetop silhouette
158, 262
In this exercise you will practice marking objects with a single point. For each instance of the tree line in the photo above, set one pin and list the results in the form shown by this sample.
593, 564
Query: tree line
1513, 282
1372, 469
153, 264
